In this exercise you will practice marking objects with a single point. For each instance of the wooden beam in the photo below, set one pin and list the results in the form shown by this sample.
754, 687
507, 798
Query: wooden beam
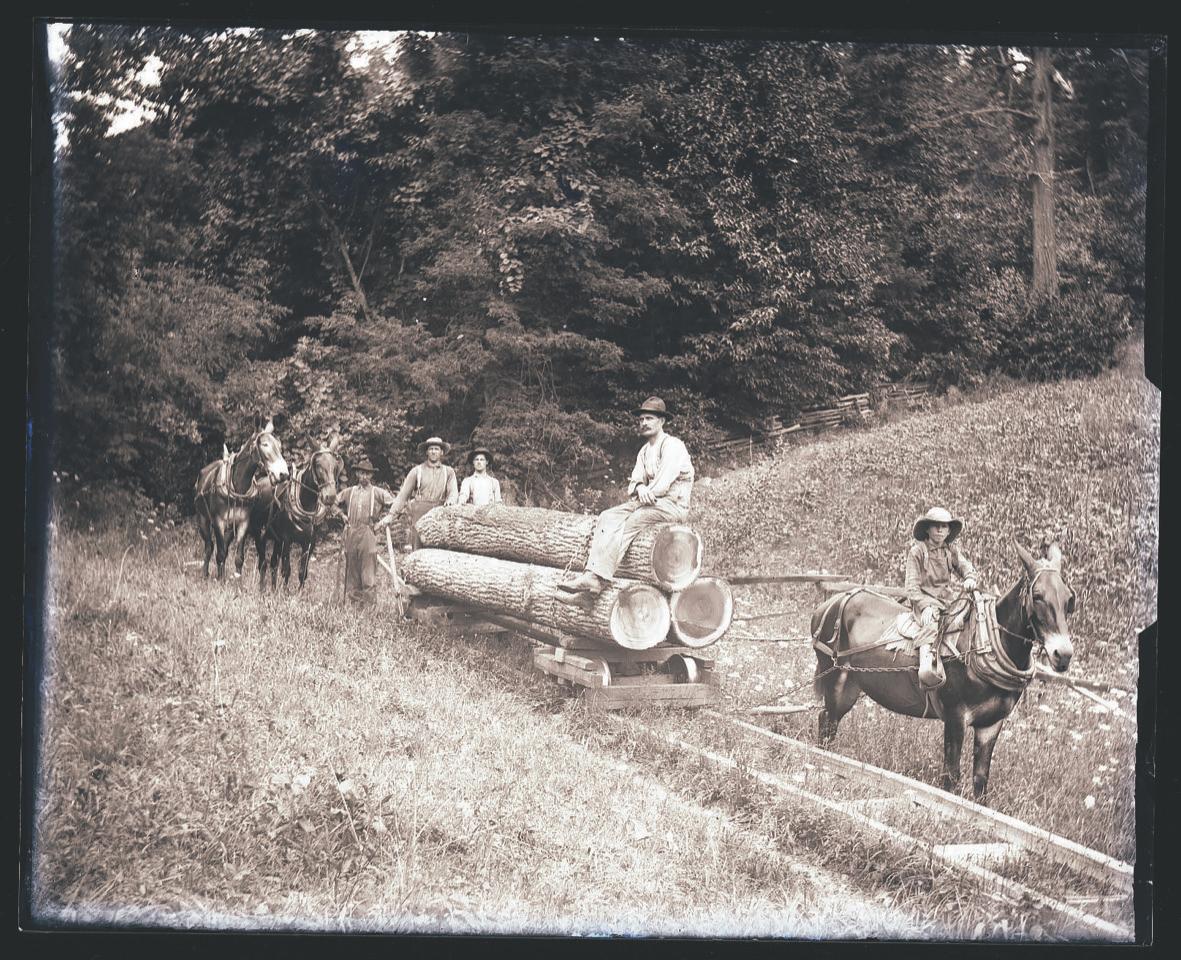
896, 838
673, 694
1092, 863
789, 578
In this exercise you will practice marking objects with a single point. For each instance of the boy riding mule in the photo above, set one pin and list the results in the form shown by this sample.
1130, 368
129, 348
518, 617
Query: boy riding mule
989, 667
932, 567
228, 489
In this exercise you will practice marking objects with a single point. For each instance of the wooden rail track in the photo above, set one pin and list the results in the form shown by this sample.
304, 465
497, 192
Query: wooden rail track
1008, 841
1095, 892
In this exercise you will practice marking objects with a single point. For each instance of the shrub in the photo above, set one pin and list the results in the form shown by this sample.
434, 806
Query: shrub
1075, 334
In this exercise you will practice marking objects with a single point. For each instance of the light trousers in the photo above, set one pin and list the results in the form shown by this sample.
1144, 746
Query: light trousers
617, 528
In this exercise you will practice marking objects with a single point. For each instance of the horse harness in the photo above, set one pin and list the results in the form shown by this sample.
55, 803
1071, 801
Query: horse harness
985, 658
290, 498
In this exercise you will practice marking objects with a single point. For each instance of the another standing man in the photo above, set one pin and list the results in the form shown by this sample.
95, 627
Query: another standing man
658, 492
362, 504
480, 488
428, 485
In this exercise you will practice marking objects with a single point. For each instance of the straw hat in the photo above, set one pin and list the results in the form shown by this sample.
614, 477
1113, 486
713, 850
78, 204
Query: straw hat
478, 450
937, 515
655, 406
434, 442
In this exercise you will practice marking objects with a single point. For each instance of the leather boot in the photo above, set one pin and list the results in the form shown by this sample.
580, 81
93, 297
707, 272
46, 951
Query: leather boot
929, 676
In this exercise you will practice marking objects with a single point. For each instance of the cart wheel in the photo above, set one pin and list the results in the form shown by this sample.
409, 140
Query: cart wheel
604, 672
683, 668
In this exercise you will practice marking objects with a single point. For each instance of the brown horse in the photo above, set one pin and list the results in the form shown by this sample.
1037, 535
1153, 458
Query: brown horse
984, 680
227, 489
299, 507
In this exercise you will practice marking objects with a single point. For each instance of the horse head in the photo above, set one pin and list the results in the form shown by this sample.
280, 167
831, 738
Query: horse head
1048, 602
327, 470
268, 452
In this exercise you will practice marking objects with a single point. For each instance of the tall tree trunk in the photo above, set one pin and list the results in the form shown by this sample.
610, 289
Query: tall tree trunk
1045, 246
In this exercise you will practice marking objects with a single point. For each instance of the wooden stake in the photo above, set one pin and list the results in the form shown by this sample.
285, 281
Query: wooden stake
389, 544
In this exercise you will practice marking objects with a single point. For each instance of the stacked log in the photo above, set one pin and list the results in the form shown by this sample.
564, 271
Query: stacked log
509, 562
628, 613
702, 612
668, 555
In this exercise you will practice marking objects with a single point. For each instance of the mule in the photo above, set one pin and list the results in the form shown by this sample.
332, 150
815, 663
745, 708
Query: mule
228, 488
299, 507
985, 678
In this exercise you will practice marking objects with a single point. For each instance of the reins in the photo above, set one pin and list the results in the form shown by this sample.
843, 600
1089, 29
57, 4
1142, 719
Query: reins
292, 505
251, 491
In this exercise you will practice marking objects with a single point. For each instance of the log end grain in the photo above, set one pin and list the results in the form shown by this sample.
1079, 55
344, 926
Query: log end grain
676, 556
639, 617
702, 612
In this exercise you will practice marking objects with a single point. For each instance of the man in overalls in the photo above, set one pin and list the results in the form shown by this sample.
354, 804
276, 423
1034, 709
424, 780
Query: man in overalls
363, 503
658, 492
428, 485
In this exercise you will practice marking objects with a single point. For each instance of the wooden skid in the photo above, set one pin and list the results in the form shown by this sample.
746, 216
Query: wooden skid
606, 682
451, 618
670, 694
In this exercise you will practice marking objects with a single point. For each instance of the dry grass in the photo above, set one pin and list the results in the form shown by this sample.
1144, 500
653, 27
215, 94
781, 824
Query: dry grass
1076, 461
213, 759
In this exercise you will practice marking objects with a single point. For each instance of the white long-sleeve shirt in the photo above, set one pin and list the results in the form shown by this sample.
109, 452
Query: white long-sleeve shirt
666, 469
480, 490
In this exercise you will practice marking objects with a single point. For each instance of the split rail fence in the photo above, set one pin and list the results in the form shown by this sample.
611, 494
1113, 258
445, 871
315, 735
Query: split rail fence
852, 408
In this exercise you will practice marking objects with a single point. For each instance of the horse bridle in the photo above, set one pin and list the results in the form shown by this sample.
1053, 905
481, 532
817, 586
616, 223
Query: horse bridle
1038, 641
252, 490
314, 516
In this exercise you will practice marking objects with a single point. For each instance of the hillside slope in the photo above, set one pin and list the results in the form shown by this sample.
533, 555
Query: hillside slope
1076, 461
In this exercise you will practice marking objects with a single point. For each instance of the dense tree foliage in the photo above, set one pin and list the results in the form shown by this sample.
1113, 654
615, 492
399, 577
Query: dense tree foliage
511, 240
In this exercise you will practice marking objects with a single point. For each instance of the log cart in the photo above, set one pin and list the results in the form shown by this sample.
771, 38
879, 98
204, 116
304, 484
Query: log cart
495, 570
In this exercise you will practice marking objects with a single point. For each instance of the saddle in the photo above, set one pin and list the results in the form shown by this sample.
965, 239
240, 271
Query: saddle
905, 633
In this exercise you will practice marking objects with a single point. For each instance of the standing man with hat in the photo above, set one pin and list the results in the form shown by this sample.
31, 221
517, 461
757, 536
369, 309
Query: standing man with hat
480, 488
658, 492
428, 485
362, 503
935, 567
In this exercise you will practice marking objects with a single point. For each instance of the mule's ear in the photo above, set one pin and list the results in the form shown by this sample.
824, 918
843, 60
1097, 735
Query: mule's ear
269, 428
225, 451
334, 442
1027, 559
1054, 555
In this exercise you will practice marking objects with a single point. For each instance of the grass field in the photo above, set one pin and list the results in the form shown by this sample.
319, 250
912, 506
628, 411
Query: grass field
212, 759
1075, 462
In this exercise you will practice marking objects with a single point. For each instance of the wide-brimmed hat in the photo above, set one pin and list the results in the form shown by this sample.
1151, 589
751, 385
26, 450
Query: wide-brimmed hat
937, 515
653, 405
434, 442
478, 450
364, 464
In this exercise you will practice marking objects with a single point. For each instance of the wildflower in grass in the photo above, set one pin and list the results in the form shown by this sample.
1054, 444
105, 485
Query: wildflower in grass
1089, 803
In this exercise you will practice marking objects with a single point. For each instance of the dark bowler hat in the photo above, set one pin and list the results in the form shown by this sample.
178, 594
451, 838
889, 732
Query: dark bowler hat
433, 442
364, 465
653, 405
487, 455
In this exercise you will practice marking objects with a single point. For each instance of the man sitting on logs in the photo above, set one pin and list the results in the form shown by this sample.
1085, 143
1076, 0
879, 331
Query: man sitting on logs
658, 492
428, 485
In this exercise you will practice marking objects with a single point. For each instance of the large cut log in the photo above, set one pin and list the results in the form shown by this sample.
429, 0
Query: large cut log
668, 555
702, 612
628, 614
